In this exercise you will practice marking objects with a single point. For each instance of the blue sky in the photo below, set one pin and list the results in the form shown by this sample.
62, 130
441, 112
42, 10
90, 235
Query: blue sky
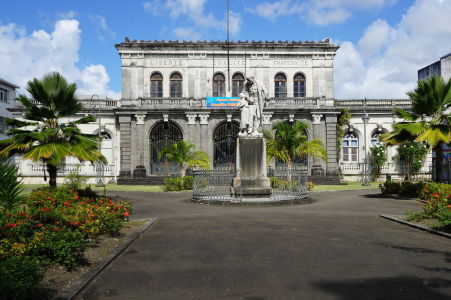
383, 42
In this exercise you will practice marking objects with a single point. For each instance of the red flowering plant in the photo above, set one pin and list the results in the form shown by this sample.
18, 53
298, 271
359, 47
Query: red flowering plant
437, 195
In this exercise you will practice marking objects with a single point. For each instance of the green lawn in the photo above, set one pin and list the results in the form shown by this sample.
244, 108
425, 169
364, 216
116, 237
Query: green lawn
346, 186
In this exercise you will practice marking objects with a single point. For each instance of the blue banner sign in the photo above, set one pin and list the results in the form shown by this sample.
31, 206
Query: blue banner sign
222, 102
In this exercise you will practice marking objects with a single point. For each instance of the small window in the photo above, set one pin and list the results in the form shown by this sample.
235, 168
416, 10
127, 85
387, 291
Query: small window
299, 85
350, 147
175, 85
3, 95
280, 86
156, 85
218, 85
237, 84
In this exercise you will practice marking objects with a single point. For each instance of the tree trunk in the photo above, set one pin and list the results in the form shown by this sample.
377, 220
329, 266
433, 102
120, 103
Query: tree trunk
289, 171
183, 168
438, 162
51, 169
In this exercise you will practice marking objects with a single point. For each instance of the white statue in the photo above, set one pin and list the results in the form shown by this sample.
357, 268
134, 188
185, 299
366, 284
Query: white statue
252, 101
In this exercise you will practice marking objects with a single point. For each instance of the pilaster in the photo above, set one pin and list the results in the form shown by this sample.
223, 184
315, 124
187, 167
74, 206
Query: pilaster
125, 145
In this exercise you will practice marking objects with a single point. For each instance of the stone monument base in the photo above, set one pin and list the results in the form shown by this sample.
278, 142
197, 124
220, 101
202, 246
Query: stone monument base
251, 178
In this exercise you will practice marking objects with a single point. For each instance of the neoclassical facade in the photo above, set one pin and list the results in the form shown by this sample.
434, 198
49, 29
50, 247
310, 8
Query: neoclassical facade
167, 93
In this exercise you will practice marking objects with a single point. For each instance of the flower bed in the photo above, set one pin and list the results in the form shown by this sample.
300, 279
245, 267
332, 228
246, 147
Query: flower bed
56, 226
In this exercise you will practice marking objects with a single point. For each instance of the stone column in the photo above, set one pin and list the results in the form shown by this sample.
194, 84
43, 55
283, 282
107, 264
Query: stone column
140, 169
125, 145
319, 132
204, 139
331, 144
191, 134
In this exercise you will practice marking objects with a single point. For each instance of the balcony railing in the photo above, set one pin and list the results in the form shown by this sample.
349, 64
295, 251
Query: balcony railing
88, 103
85, 169
388, 168
376, 103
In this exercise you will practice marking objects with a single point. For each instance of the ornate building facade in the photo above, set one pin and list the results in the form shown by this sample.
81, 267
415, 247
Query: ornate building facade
167, 88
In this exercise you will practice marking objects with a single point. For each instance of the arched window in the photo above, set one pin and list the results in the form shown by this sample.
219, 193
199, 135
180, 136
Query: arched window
175, 85
162, 135
299, 85
375, 137
237, 84
350, 147
218, 85
156, 85
224, 144
280, 86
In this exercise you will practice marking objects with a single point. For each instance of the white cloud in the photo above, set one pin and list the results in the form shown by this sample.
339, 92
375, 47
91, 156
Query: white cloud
385, 62
186, 33
102, 27
193, 11
318, 12
71, 14
26, 56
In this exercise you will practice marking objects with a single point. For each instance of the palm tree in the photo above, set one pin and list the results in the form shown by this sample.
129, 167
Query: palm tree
182, 153
429, 121
41, 136
289, 143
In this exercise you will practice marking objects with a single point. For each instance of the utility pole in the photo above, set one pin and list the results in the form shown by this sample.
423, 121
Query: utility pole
228, 49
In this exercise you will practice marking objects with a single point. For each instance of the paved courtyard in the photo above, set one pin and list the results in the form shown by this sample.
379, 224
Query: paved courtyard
335, 248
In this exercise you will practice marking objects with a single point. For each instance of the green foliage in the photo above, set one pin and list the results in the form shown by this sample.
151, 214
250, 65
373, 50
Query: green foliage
428, 121
59, 245
310, 185
342, 124
278, 183
182, 153
11, 187
390, 187
413, 153
437, 206
178, 184
74, 180
409, 188
20, 279
50, 141
378, 155
289, 142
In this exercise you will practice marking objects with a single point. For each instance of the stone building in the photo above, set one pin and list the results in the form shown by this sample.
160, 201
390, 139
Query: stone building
175, 90
7, 96
442, 68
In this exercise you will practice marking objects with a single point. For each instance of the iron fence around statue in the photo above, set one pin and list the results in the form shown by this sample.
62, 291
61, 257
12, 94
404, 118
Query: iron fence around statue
216, 185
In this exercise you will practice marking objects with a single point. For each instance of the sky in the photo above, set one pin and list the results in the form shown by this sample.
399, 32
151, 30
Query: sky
382, 42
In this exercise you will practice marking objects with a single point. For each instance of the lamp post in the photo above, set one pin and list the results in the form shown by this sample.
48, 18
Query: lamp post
365, 119
99, 167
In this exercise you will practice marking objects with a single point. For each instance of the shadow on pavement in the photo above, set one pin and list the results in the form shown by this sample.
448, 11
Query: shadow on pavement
407, 288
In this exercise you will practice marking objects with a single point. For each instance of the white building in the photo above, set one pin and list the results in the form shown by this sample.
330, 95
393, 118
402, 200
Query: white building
168, 88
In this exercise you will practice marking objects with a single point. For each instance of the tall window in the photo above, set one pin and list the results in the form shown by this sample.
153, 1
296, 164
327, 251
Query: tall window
175, 82
350, 147
218, 85
237, 84
299, 85
3, 95
156, 85
280, 86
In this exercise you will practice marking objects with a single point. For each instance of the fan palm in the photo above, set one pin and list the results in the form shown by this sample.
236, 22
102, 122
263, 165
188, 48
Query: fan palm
289, 143
429, 121
182, 153
41, 136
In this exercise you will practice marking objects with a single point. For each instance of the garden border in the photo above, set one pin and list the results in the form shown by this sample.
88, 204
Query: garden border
417, 226
80, 284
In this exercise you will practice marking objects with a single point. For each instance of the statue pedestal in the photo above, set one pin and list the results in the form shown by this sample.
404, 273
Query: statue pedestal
251, 178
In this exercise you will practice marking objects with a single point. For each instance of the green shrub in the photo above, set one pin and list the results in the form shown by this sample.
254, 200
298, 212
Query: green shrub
409, 188
59, 245
74, 180
178, 184
187, 182
390, 187
443, 215
437, 195
87, 193
310, 185
275, 182
20, 279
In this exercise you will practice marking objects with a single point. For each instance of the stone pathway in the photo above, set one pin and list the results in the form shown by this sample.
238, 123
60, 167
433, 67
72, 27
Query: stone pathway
335, 248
